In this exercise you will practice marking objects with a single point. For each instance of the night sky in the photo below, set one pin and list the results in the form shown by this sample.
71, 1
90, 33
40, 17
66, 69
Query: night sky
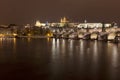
28, 11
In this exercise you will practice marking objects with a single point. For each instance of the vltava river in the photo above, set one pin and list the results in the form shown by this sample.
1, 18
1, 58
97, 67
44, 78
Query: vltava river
58, 59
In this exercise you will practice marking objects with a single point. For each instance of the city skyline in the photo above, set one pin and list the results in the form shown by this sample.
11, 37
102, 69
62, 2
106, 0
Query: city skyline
28, 11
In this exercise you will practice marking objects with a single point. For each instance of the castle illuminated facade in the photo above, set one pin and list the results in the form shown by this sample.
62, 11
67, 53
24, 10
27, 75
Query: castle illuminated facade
64, 21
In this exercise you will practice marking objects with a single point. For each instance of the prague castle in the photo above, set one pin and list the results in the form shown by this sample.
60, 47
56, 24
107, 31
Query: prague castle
64, 21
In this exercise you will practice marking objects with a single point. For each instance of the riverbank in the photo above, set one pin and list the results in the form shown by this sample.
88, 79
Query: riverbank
33, 37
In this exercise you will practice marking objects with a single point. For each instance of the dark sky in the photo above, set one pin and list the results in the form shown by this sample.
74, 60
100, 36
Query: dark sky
27, 11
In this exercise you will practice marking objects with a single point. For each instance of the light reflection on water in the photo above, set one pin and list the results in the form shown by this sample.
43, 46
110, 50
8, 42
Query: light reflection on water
53, 49
14, 47
29, 39
114, 62
71, 47
7, 41
62, 59
8, 48
81, 50
14, 42
113, 55
95, 51
63, 47
91, 51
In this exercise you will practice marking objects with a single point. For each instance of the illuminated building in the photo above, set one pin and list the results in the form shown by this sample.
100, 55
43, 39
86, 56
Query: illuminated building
63, 21
27, 26
38, 24
89, 25
93, 25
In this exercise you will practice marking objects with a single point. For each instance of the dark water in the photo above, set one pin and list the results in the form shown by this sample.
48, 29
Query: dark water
50, 59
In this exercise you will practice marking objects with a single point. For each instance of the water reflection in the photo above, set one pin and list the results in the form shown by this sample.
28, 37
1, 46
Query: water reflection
71, 48
55, 57
6, 41
48, 39
7, 48
55, 49
14, 42
82, 55
63, 45
81, 50
95, 52
58, 46
115, 56
95, 63
14, 45
81, 46
0, 42
63, 59
29, 39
